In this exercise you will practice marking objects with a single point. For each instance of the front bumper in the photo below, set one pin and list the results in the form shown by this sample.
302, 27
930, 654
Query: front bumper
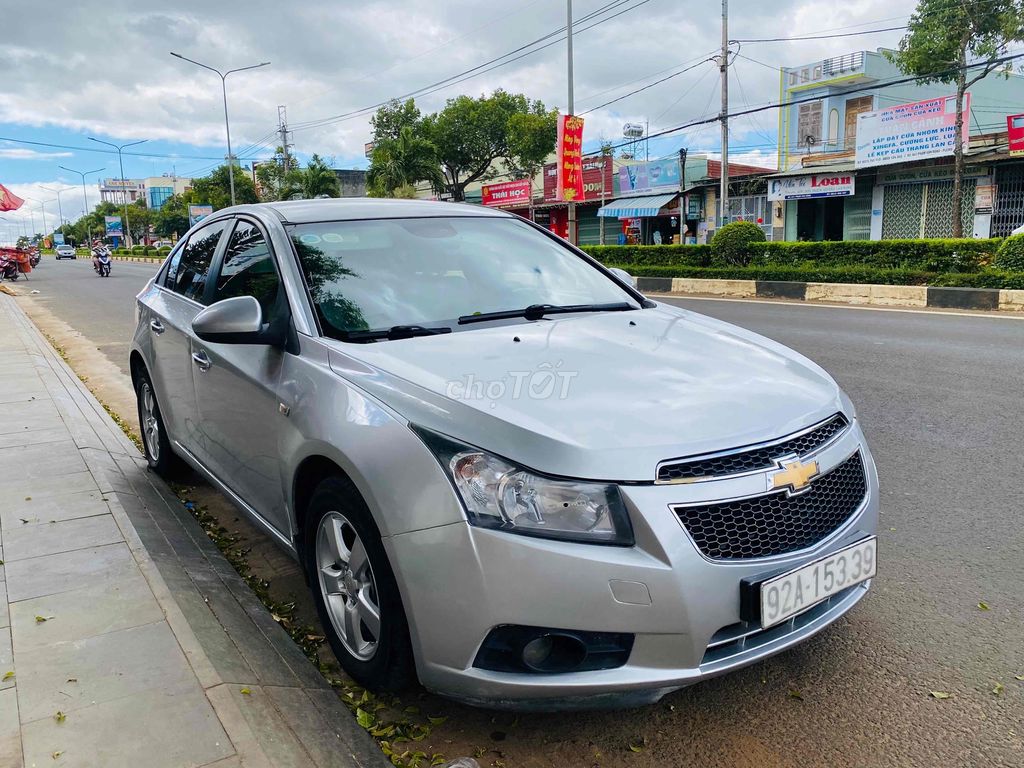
458, 582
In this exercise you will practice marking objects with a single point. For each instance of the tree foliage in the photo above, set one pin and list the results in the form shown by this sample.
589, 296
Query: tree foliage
960, 43
732, 242
215, 189
400, 163
319, 180
277, 179
388, 122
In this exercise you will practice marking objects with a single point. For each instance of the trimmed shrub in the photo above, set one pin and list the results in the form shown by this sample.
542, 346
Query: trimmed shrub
1010, 255
138, 249
689, 255
812, 273
734, 243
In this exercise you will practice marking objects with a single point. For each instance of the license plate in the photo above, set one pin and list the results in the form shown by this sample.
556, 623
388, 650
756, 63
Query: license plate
791, 593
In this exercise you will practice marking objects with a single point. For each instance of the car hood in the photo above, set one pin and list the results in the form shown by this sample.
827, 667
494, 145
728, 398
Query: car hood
602, 396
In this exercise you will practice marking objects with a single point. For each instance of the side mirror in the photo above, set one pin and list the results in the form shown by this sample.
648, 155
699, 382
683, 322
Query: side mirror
623, 275
238, 320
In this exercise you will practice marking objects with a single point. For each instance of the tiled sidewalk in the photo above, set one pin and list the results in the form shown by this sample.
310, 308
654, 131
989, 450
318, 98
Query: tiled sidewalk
126, 639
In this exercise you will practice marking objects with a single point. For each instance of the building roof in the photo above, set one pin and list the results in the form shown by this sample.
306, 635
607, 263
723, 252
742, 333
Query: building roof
736, 169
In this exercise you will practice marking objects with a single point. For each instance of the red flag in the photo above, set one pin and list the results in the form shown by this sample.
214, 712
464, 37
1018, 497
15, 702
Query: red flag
8, 200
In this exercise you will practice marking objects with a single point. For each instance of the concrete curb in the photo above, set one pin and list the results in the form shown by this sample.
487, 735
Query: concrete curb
991, 299
142, 259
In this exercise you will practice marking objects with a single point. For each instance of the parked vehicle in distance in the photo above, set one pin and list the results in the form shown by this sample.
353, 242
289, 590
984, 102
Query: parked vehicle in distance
65, 251
505, 471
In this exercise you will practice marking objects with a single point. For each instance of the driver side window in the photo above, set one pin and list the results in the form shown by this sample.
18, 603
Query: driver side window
248, 269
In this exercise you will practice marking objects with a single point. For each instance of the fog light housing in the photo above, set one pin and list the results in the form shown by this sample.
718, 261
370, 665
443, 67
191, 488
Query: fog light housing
542, 650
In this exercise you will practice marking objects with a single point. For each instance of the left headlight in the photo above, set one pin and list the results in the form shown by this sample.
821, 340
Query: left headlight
500, 495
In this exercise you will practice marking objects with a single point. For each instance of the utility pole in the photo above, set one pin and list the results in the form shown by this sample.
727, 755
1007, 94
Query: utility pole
282, 129
723, 66
568, 38
60, 208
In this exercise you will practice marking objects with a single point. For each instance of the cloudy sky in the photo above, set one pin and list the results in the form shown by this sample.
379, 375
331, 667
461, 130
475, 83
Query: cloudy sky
105, 70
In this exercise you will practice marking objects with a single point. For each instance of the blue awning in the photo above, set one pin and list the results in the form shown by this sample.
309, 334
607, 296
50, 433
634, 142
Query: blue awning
633, 207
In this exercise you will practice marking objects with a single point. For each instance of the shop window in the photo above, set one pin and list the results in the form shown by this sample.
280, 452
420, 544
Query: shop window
809, 125
855, 107
833, 128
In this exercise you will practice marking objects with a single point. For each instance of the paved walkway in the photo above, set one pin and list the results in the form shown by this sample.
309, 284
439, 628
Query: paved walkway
126, 639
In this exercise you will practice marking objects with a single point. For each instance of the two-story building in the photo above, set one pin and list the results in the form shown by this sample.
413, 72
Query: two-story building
833, 186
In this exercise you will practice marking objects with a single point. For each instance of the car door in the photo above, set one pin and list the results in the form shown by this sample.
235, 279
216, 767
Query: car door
237, 385
179, 298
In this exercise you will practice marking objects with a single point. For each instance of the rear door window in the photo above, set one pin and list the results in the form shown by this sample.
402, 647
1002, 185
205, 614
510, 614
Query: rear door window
190, 266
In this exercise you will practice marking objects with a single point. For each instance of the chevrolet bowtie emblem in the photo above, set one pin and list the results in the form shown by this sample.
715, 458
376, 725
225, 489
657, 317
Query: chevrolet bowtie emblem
795, 475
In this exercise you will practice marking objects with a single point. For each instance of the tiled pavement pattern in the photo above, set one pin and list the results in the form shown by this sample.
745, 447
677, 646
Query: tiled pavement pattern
117, 611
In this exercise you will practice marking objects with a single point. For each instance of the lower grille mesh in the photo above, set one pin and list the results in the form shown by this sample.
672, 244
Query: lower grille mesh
775, 524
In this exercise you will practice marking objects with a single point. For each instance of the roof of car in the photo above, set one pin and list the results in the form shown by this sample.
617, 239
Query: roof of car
351, 208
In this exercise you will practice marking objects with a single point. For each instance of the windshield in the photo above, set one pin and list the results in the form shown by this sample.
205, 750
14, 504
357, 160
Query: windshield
382, 273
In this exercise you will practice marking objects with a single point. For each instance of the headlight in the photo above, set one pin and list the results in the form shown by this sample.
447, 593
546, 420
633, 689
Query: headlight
499, 495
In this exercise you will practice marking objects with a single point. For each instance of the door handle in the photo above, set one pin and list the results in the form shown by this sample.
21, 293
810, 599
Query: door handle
201, 360
156, 326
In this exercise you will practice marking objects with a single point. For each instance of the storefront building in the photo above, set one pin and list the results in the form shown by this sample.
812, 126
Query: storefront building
512, 196
598, 187
645, 210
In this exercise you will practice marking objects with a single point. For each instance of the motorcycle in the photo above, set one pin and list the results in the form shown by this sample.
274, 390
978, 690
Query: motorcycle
14, 262
8, 267
34, 257
101, 261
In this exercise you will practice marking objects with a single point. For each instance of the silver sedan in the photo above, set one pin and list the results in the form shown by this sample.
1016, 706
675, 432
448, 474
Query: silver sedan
506, 472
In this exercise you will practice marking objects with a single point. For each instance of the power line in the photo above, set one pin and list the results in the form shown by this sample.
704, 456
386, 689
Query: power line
649, 85
487, 66
816, 37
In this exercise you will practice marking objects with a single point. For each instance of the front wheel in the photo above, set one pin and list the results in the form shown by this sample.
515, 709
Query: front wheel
354, 588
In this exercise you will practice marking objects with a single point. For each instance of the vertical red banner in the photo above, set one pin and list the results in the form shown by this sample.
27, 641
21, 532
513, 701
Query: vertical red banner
570, 157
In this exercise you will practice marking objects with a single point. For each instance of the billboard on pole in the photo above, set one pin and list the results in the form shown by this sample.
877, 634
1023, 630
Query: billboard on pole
113, 226
914, 131
197, 213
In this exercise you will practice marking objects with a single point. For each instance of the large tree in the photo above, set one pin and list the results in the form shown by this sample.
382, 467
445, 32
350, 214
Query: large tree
215, 189
397, 164
171, 220
959, 42
471, 134
279, 179
388, 122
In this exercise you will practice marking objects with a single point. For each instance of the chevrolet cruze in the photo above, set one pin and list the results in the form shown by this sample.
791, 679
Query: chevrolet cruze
506, 472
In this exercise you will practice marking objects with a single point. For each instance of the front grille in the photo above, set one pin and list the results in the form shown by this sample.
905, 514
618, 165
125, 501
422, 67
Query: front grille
762, 457
777, 523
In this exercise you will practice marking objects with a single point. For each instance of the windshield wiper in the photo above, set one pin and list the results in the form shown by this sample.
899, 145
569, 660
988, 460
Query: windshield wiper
537, 311
393, 333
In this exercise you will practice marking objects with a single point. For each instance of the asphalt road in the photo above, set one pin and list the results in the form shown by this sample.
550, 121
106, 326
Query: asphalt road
941, 398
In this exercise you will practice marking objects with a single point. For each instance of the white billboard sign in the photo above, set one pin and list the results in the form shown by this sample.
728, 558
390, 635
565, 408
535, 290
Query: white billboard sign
811, 185
906, 132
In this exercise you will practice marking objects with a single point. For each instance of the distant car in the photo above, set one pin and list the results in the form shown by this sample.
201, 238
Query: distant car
66, 252
163, 244
1019, 230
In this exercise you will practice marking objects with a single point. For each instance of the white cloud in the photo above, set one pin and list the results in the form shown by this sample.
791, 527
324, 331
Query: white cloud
333, 58
19, 153
31, 213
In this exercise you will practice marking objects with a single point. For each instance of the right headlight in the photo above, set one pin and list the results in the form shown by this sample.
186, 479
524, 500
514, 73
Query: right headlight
500, 495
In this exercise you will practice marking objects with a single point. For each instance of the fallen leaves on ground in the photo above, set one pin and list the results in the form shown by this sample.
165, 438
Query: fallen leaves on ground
940, 695
41, 619
983, 606
8, 676
57, 754
638, 746
795, 694
998, 690
245, 691
60, 717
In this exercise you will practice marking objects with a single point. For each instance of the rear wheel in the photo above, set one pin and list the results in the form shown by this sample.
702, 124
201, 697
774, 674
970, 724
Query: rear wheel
355, 590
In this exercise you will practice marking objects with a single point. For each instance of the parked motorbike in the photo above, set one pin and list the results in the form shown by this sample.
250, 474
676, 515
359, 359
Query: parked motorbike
101, 260
14, 262
8, 267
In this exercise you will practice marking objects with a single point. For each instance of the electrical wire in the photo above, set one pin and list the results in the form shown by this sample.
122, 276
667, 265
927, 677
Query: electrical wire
816, 37
644, 88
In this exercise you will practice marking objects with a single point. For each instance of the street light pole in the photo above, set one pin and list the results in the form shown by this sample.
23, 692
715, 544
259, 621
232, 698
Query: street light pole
124, 192
85, 199
224, 92
60, 208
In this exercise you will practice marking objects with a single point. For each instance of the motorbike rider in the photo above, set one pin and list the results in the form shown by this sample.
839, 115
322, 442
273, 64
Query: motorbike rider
99, 248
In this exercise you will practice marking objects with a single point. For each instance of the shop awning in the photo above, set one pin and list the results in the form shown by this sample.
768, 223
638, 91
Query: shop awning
633, 207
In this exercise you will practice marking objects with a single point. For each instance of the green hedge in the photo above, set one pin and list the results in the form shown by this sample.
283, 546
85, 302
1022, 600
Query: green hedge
811, 273
963, 255
1011, 254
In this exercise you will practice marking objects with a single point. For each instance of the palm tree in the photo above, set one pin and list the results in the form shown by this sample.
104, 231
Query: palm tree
318, 180
401, 162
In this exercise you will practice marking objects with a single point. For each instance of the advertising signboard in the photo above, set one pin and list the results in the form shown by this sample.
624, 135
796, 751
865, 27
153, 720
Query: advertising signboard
58, 238
598, 179
113, 226
914, 131
570, 157
1015, 131
811, 185
653, 177
197, 213
511, 194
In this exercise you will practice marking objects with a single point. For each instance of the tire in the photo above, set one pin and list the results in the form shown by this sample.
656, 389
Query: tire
375, 652
155, 444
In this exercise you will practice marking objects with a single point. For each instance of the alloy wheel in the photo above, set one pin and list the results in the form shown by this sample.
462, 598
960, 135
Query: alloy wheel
150, 424
347, 585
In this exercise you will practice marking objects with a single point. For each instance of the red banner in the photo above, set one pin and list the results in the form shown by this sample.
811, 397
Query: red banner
507, 194
570, 157
8, 200
598, 181
1015, 133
